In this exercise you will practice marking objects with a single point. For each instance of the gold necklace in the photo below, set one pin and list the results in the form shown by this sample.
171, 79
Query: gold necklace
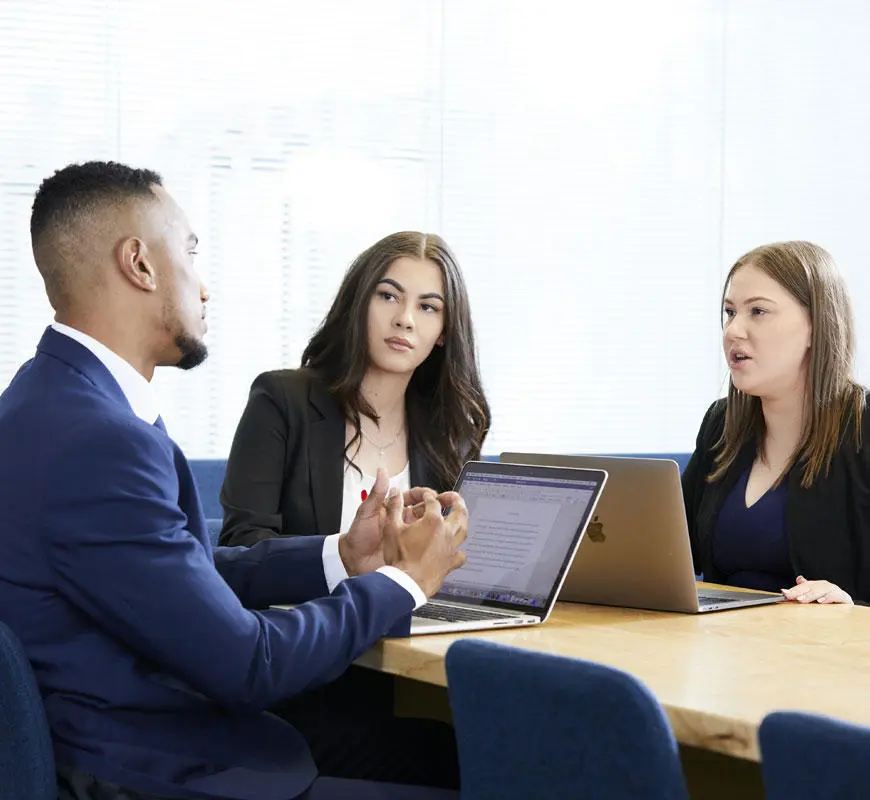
381, 447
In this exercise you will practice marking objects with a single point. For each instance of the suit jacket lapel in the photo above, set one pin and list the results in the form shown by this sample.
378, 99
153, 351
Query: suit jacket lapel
326, 458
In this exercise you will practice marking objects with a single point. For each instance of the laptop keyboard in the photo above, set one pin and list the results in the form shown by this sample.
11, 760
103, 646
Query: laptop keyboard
446, 613
706, 600
709, 597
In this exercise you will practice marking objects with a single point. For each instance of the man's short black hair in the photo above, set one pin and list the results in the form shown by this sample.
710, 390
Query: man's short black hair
66, 216
78, 187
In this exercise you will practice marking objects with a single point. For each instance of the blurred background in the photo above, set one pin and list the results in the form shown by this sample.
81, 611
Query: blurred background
597, 168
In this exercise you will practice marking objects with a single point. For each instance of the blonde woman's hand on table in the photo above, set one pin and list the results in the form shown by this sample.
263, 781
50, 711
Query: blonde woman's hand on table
805, 591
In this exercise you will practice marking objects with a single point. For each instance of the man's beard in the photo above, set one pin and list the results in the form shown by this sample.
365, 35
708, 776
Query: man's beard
193, 351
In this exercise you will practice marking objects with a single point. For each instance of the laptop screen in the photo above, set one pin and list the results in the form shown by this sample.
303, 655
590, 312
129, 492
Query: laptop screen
524, 525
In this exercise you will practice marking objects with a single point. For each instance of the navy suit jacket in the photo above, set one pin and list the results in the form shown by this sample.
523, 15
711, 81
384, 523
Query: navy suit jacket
154, 671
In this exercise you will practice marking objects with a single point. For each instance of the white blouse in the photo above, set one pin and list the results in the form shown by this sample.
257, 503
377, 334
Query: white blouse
354, 485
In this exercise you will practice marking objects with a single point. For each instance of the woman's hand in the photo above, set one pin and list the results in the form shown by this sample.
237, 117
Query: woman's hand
816, 592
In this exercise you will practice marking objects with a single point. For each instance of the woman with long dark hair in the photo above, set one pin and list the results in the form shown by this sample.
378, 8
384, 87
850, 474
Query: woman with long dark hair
390, 379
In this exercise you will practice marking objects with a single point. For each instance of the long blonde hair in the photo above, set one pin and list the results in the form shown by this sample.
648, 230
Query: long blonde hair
834, 401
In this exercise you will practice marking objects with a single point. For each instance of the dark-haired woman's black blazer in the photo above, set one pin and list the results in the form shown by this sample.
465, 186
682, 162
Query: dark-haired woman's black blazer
827, 525
285, 473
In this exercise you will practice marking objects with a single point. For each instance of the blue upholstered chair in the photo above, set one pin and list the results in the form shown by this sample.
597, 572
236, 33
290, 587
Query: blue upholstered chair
26, 756
214, 530
807, 757
209, 476
535, 725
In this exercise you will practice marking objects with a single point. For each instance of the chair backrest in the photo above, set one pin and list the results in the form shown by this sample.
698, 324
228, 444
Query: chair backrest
209, 476
535, 725
26, 756
806, 756
214, 530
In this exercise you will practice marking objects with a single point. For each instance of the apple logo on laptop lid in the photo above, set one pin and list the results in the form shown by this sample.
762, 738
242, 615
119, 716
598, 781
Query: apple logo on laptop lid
595, 530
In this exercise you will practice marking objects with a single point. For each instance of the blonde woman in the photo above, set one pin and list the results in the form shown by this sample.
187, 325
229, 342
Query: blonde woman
778, 489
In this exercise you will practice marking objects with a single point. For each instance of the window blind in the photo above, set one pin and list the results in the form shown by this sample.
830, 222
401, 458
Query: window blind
596, 167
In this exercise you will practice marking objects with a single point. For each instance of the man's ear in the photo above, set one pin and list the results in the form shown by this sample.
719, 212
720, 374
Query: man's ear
135, 264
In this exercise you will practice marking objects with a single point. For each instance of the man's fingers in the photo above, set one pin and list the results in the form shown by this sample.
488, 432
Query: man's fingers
415, 502
458, 526
458, 517
414, 496
378, 493
431, 506
449, 499
456, 505
395, 507
415, 511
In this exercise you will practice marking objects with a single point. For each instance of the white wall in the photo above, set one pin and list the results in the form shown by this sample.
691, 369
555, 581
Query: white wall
797, 135
596, 166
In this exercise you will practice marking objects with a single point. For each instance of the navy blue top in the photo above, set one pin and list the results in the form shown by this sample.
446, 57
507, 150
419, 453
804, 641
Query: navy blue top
750, 546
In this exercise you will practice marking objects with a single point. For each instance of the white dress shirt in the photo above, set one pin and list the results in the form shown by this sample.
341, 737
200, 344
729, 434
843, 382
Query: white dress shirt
143, 400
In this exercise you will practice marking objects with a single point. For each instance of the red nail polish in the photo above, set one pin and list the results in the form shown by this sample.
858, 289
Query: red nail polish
363, 494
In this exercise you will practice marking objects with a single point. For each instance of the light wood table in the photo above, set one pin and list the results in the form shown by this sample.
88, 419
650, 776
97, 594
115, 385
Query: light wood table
716, 675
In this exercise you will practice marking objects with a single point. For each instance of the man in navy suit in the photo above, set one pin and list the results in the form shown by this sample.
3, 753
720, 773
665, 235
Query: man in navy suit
154, 662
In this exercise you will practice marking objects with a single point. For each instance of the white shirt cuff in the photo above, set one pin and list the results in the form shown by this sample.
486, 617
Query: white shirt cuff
407, 583
333, 566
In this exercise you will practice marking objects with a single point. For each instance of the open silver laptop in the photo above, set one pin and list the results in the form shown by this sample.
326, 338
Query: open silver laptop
636, 551
524, 526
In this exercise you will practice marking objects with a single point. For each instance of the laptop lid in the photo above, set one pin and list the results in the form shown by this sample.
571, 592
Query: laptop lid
636, 551
524, 525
